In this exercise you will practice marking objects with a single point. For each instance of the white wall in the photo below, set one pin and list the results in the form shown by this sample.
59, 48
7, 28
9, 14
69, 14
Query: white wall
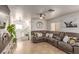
34, 24
66, 18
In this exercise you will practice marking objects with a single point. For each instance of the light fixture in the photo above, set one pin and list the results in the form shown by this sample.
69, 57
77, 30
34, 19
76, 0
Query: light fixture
50, 10
42, 16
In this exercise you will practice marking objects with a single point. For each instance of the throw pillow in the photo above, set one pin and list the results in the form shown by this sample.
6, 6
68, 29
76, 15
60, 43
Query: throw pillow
39, 34
51, 35
72, 41
65, 39
47, 34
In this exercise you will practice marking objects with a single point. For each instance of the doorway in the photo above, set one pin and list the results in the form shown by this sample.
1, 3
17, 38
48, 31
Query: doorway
53, 26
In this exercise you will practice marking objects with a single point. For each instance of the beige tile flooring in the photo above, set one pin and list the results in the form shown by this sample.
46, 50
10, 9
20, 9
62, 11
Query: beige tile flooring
27, 47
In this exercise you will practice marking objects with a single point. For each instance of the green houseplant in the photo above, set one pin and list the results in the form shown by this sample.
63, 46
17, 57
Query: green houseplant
11, 30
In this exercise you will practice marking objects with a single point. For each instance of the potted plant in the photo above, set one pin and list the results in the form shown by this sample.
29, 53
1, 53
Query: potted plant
11, 30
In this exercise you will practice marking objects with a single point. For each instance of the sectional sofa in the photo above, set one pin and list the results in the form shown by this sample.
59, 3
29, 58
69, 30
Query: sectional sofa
58, 39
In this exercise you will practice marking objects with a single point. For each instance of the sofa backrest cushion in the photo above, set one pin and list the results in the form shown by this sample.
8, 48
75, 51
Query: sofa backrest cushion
61, 35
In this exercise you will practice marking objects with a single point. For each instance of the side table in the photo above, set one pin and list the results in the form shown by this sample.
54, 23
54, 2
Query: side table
76, 49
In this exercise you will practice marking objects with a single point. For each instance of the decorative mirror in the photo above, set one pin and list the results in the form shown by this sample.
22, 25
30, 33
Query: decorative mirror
39, 25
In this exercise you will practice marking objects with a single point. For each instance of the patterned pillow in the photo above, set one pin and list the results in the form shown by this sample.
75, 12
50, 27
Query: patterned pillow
50, 35
47, 34
39, 34
72, 40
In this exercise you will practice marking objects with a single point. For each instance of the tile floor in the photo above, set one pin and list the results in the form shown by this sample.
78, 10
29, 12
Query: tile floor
27, 47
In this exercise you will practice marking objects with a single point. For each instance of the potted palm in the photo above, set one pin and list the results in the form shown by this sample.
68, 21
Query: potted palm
11, 30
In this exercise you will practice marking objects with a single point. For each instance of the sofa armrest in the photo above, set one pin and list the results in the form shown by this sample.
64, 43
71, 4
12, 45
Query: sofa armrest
65, 46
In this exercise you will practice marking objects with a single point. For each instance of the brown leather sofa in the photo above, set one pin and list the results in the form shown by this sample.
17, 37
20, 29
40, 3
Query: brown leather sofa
36, 39
68, 47
56, 40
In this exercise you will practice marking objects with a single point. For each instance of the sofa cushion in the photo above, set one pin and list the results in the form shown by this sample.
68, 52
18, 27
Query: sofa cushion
52, 39
57, 37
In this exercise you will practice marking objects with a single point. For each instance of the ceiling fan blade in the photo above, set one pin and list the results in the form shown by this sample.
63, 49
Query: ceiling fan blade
50, 10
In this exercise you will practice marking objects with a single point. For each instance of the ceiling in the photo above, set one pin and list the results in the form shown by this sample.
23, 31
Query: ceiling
33, 10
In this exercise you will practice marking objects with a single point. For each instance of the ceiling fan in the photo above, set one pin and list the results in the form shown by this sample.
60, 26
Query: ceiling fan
43, 14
